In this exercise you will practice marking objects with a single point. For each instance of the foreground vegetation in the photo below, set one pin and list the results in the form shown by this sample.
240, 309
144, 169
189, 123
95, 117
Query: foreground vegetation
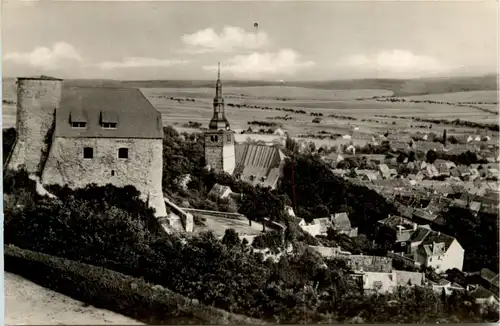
148, 303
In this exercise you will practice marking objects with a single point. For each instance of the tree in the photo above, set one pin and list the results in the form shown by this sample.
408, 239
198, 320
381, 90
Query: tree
411, 156
401, 158
231, 238
431, 156
291, 144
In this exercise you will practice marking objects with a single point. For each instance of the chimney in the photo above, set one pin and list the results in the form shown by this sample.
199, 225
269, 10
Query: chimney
414, 226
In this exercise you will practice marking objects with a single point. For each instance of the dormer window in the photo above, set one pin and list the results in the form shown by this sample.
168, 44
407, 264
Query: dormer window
109, 125
79, 125
78, 119
109, 119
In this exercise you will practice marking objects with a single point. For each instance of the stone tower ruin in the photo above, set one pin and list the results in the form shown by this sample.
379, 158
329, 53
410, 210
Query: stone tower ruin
37, 101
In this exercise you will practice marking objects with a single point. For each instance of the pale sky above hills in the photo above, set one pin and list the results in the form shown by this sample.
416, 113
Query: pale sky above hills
294, 40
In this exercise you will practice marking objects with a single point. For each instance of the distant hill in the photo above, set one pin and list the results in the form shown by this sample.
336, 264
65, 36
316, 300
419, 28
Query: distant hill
400, 87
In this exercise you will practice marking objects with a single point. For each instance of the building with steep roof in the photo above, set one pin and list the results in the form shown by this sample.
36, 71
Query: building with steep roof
220, 191
254, 163
342, 224
76, 136
440, 251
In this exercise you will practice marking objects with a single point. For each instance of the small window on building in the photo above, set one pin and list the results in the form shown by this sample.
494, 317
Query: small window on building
228, 137
78, 124
109, 125
112, 172
215, 138
88, 152
123, 153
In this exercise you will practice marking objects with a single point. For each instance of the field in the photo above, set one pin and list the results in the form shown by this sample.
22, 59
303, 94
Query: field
27, 303
352, 108
459, 97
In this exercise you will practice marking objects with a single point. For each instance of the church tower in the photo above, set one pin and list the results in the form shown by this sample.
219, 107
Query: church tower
219, 139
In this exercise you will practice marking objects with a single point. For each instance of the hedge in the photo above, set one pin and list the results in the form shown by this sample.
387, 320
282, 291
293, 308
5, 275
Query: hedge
107, 289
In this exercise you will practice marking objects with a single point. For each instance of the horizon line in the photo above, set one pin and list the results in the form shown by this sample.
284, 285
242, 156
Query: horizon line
279, 81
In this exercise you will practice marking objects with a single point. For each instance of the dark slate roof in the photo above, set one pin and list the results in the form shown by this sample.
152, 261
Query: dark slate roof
135, 115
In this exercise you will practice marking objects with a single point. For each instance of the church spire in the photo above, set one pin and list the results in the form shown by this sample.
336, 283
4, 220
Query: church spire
219, 120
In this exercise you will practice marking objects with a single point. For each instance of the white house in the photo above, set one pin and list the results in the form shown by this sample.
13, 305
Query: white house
440, 251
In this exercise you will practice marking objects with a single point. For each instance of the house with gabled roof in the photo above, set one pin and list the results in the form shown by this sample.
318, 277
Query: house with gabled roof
486, 278
483, 296
440, 251
342, 224
447, 286
220, 191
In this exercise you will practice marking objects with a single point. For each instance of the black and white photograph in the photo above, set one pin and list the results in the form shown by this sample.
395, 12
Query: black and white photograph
250, 162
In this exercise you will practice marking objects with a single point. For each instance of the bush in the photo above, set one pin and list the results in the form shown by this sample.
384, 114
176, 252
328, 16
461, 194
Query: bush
16, 180
107, 289
272, 240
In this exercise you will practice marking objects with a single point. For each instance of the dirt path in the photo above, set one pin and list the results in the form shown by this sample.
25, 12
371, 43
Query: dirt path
27, 303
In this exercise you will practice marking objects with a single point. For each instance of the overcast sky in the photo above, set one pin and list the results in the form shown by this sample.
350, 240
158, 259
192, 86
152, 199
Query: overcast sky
294, 40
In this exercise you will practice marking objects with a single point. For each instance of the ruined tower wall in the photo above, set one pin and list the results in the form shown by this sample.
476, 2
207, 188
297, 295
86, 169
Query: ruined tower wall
142, 169
37, 100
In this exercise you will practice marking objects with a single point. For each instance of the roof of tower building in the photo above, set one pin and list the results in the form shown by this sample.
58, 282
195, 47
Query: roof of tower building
132, 113
219, 120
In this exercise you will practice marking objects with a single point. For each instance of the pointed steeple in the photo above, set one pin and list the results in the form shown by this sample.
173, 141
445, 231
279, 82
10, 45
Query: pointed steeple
219, 120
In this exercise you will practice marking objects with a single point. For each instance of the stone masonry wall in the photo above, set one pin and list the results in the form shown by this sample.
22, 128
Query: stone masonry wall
142, 169
37, 101
219, 153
